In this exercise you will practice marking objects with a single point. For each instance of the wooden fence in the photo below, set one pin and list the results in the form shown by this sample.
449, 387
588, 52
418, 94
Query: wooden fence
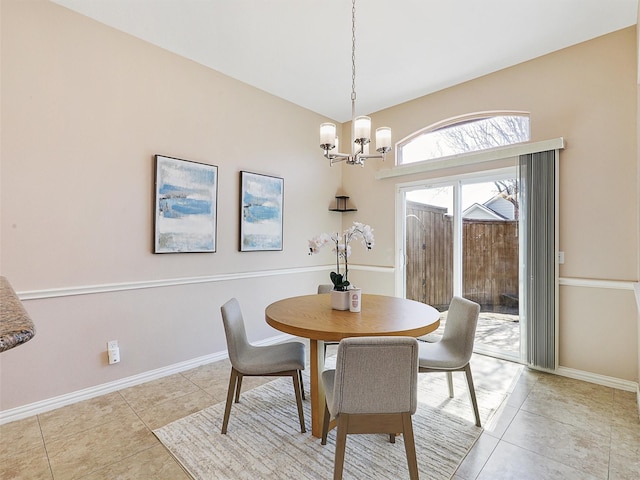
489, 265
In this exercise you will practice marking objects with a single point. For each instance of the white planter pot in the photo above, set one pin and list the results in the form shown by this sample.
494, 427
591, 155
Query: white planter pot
339, 300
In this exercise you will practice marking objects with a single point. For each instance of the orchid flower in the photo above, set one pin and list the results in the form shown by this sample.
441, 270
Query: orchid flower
342, 249
317, 242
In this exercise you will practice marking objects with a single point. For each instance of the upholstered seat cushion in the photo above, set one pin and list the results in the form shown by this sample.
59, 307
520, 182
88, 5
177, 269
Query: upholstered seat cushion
441, 355
264, 360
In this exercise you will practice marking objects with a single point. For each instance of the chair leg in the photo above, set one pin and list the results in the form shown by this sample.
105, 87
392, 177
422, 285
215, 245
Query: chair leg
301, 384
325, 425
296, 387
450, 383
238, 387
409, 445
233, 378
341, 443
472, 393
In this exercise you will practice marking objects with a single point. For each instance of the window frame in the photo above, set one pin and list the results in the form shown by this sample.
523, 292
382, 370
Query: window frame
451, 122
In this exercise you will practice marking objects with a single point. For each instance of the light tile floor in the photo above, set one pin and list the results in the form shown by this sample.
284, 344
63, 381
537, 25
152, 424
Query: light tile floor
549, 427
552, 427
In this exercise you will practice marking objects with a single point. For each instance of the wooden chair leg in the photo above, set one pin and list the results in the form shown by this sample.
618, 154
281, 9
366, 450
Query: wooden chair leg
301, 384
233, 378
341, 443
238, 387
472, 393
450, 383
297, 387
392, 438
325, 424
409, 445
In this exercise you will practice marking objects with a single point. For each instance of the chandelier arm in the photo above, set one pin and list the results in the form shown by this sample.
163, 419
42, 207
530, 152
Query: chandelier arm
336, 157
366, 157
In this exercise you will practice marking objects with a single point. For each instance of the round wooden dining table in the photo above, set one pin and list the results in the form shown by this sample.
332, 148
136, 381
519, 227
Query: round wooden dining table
311, 316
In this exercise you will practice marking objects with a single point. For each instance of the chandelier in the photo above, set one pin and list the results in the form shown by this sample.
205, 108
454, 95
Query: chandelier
360, 126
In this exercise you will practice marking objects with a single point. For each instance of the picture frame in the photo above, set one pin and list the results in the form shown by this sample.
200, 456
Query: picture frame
186, 202
261, 212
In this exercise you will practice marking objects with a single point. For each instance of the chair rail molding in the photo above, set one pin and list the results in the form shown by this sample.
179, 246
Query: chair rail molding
167, 282
596, 283
171, 282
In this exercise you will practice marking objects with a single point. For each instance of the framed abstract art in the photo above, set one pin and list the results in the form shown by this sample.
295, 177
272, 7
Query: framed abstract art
185, 206
261, 212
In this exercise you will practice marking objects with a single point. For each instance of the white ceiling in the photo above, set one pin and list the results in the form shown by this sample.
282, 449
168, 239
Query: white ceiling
300, 50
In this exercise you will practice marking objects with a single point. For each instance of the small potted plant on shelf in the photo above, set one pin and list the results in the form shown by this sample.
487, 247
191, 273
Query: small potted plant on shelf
341, 246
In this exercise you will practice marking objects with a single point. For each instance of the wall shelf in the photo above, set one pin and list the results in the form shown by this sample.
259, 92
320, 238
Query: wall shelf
341, 205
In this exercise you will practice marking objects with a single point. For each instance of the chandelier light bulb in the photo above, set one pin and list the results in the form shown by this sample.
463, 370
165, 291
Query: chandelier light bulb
327, 136
383, 139
362, 128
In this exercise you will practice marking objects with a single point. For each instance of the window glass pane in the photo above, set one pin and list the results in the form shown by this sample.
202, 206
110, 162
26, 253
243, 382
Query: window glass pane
463, 137
490, 263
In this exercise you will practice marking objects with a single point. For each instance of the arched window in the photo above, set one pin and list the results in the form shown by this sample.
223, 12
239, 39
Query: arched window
470, 133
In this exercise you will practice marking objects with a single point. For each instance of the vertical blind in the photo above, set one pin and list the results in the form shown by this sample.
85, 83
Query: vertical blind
538, 209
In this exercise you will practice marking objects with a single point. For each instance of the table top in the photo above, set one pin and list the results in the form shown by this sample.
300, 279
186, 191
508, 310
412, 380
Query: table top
311, 316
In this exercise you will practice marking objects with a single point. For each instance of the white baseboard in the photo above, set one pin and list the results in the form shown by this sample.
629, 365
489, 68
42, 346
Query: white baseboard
603, 380
49, 404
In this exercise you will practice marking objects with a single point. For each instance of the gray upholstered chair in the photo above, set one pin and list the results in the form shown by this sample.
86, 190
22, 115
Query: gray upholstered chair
325, 288
373, 390
453, 352
284, 359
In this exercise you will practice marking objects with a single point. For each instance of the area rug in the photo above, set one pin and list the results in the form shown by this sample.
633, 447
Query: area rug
264, 440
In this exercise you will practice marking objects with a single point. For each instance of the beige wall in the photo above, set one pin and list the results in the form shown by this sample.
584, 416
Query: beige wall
85, 108
586, 94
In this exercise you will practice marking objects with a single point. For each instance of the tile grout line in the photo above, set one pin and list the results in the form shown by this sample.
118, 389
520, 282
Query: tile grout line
44, 444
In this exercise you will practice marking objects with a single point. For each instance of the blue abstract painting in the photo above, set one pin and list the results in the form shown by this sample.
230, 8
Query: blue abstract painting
186, 203
261, 212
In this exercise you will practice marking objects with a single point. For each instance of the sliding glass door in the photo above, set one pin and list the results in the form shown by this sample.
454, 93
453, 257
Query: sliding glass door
462, 238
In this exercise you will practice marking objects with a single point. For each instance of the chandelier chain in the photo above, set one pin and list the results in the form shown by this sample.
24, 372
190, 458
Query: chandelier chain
353, 51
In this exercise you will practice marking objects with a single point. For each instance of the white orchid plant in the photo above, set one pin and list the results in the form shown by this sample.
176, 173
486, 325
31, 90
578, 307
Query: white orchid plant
341, 246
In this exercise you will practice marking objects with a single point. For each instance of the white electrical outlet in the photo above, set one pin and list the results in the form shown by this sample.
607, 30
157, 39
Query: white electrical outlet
114, 356
113, 352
